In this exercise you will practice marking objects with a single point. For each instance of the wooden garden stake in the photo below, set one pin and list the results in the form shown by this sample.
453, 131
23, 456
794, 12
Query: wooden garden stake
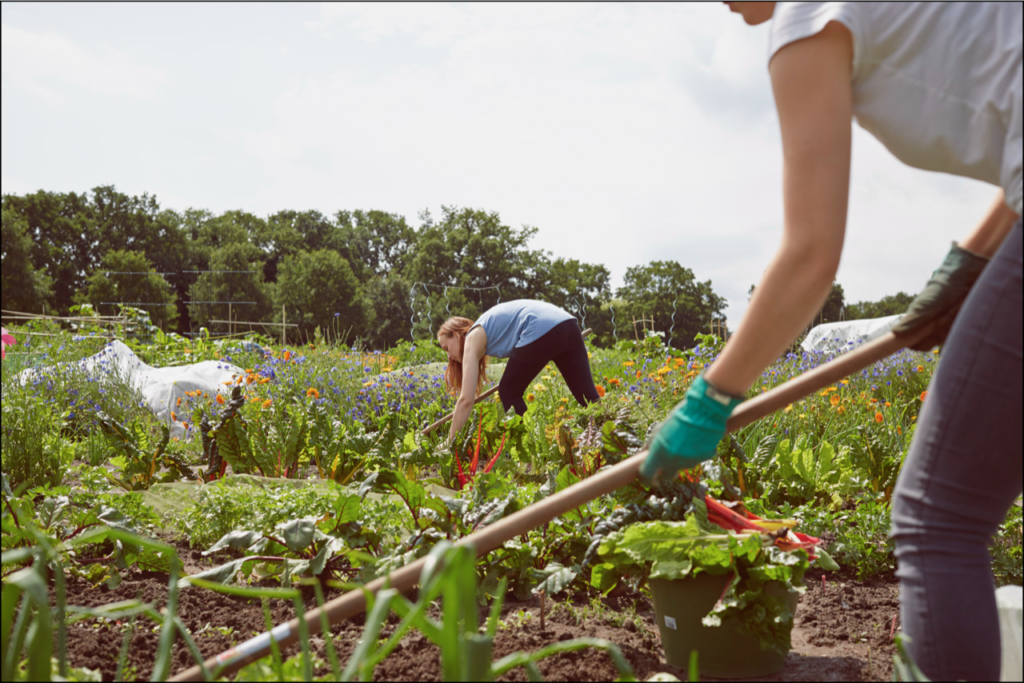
542, 628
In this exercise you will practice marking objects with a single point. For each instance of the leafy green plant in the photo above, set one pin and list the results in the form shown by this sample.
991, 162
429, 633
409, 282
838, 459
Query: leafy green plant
676, 550
34, 452
141, 460
30, 626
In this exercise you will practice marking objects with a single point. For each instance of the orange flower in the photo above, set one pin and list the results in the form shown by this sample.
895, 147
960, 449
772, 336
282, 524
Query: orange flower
615, 381
834, 400
312, 392
841, 410
639, 374
387, 385
531, 398
874, 400
888, 405
600, 390
899, 430
923, 394
220, 399
287, 355
920, 368
174, 418
179, 401
268, 403
878, 417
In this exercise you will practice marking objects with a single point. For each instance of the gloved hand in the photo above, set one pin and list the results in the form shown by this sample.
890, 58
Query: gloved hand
690, 434
942, 297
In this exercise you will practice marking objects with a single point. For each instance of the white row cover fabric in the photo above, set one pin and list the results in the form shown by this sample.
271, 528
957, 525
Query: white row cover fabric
160, 387
845, 335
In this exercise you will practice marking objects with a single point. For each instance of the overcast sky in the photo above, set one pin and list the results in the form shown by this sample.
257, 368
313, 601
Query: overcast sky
625, 133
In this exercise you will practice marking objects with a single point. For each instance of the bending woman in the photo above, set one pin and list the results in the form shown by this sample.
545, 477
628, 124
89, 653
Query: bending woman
530, 334
939, 84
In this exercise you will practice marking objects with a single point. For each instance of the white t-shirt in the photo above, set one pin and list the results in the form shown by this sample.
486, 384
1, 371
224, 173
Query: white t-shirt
939, 84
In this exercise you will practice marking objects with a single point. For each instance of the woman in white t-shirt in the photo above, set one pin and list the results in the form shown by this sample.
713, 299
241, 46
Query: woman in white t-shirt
939, 84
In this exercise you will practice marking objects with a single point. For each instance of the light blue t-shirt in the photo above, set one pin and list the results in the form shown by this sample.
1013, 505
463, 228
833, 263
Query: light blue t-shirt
518, 323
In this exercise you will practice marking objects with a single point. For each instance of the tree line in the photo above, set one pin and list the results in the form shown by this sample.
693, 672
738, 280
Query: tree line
366, 275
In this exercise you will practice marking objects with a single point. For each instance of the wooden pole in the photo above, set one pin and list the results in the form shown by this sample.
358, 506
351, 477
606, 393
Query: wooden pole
284, 322
516, 524
481, 397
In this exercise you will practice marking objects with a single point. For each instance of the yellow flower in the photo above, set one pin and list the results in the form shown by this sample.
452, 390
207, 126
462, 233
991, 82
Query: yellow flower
628, 363
546, 378
920, 368
789, 408
386, 368
841, 410
845, 381
368, 382
666, 369
539, 387
531, 398
565, 400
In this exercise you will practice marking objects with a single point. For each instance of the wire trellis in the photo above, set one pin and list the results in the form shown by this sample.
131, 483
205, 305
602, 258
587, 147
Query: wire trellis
447, 303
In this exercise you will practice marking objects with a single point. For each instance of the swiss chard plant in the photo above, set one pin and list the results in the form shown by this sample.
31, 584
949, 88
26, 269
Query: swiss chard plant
751, 562
142, 460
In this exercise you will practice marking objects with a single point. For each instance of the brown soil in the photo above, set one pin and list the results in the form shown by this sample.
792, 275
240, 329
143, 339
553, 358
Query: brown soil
841, 633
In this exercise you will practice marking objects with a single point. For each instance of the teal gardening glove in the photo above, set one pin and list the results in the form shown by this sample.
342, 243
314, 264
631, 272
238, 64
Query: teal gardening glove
690, 434
942, 297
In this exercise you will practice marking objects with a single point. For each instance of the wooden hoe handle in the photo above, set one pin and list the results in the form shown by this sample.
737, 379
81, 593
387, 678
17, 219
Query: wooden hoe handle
605, 481
479, 398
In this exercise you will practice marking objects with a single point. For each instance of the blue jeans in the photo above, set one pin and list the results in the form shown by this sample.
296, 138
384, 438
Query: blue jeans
962, 474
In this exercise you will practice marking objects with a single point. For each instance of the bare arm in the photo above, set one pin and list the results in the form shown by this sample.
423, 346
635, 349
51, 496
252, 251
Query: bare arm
476, 346
811, 83
988, 235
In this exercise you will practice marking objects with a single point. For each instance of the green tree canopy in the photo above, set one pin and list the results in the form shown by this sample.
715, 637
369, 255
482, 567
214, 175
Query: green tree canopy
237, 277
661, 288
128, 277
23, 287
892, 304
319, 289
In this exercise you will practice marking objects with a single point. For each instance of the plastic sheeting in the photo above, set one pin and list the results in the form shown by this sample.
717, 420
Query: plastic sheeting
843, 336
1008, 600
160, 387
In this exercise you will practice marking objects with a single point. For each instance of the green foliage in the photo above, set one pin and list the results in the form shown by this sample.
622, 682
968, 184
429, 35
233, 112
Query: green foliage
24, 287
893, 304
677, 550
315, 285
652, 290
142, 457
1006, 550
128, 277
34, 452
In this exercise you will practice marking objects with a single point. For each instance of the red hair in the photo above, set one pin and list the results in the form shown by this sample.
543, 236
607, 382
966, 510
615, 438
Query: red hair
460, 327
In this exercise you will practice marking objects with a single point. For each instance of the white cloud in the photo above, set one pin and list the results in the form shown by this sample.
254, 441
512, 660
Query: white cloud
625, 132
45, 63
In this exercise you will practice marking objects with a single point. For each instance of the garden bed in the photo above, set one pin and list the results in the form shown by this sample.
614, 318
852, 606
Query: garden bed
842, 632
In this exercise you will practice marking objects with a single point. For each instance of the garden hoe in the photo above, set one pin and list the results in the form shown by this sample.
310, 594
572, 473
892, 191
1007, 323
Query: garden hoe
479, 398
604, 482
